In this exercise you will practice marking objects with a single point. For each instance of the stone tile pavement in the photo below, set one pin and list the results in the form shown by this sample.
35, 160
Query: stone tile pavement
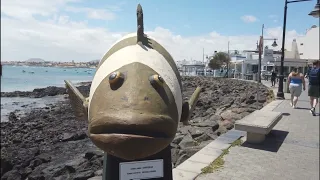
290, 152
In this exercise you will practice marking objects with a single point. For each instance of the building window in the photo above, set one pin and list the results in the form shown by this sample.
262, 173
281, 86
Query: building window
301, 54
301, 44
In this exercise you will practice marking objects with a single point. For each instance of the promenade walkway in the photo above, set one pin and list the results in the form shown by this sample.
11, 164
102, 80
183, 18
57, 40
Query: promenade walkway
290, 152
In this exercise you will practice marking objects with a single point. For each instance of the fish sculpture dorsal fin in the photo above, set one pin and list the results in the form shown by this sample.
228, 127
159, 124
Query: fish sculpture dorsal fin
140, 28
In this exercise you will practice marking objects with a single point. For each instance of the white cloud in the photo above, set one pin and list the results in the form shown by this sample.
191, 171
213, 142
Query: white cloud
274, 18
62, 39
249, 19
26, 9
94, 13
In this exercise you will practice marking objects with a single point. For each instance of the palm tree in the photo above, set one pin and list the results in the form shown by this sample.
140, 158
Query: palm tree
219, 60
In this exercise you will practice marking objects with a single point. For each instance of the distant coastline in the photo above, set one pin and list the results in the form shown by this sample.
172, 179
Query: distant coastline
57, 66
38, 62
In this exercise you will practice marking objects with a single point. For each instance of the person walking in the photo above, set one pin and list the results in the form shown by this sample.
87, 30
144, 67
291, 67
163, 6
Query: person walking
273, 78
314, 86
297, 83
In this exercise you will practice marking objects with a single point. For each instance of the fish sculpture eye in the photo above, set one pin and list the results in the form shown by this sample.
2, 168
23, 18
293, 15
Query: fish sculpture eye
115, 77
156, 80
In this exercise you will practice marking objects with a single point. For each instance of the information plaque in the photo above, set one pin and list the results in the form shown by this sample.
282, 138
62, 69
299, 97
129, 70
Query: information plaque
139, 170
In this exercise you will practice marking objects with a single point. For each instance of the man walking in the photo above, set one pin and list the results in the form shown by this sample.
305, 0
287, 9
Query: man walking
314, 86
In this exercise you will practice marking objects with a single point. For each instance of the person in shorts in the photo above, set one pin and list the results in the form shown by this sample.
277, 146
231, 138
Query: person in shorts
314, 86
296, 85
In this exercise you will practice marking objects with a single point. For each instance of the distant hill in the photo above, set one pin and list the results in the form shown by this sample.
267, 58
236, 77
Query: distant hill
94, 61
35, 60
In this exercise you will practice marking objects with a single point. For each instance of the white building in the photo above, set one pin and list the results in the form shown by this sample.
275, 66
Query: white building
308, 45
304, 51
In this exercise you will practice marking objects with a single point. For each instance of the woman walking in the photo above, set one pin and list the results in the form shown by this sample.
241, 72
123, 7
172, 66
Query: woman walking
297, 83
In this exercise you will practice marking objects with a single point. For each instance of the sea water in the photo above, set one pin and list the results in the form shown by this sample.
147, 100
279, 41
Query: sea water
27, 78
25, 104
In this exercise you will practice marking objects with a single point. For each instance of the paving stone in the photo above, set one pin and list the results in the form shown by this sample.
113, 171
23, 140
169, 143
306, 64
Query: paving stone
226, 140
213, 153
234, 134
183, 175
220, 145
203, 158
191, 166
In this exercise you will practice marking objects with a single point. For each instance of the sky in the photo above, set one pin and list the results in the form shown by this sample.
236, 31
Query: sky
83, 30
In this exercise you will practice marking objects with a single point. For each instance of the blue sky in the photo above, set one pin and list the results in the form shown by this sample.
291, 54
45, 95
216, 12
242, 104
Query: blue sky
83, 30
189, 18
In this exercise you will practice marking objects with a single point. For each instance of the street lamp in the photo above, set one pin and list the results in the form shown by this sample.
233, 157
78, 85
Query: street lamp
316, 12
306, 72
274, 44
280, 94
260, 46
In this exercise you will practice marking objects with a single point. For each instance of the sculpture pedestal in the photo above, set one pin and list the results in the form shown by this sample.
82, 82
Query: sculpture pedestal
155, 167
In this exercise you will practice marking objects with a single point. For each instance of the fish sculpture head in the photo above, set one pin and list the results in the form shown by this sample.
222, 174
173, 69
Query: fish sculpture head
133, 112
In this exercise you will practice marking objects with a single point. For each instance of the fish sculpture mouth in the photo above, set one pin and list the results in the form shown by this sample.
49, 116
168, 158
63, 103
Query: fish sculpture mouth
132, 133
132, 136
141, 126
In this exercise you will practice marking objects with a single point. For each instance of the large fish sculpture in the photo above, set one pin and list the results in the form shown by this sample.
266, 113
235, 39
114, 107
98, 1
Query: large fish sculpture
135, 101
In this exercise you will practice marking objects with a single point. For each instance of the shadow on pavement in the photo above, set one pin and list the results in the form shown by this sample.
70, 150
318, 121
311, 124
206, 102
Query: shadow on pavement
303, 101
285, 114
302, 108
306, 109
272, 142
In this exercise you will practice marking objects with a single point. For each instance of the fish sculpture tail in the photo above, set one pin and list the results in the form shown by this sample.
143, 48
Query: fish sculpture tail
191, 105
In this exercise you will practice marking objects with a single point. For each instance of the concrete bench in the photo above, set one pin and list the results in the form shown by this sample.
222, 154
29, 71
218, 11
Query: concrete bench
258, 124
272, 105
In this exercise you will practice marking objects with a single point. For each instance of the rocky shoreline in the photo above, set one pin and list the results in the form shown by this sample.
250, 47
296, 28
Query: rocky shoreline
48, 91
49, 143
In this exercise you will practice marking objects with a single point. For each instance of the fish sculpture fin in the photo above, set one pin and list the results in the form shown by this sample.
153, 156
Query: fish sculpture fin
140, 28
185, 112
188, 107
78, 102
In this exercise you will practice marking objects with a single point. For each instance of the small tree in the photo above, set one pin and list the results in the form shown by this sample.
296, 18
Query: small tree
214, 64
218, 60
